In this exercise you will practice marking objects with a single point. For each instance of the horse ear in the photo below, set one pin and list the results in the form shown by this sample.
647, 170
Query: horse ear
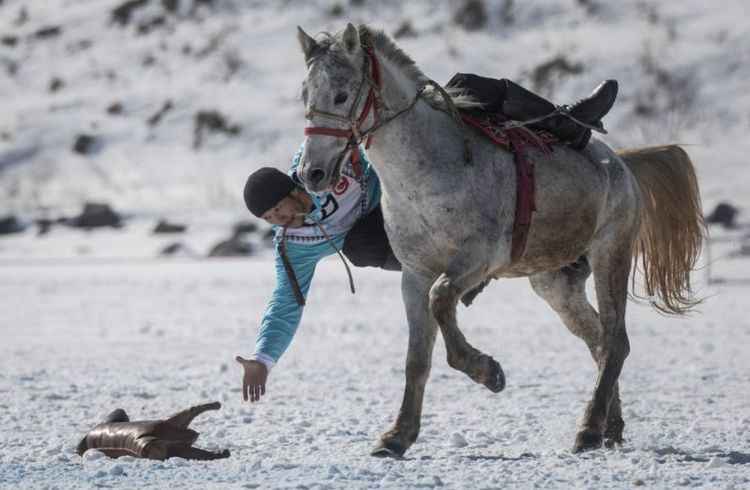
307, 43
351, 38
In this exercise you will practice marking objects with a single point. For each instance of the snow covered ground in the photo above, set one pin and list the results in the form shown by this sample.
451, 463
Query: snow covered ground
94, 321
154, 337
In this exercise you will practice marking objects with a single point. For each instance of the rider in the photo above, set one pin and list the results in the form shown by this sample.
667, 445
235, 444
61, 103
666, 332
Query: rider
352, 219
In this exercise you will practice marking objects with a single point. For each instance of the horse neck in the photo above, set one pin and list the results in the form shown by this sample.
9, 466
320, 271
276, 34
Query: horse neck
401, 147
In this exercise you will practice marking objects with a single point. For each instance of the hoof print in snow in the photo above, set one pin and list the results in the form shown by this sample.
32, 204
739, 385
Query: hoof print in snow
96, 215
150, 439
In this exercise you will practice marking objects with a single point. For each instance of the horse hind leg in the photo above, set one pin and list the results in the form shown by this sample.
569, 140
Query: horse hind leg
565, 291
184, 418
611, 263
444, 296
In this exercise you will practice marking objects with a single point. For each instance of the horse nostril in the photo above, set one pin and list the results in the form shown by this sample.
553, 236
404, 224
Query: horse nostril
316, 176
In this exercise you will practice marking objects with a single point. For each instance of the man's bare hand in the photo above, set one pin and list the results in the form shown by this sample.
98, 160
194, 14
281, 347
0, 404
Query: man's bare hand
254, 379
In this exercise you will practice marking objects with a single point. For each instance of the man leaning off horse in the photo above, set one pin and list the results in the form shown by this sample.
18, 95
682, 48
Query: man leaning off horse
309, 227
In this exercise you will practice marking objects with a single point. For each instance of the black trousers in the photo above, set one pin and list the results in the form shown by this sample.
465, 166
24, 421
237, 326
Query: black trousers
367, 245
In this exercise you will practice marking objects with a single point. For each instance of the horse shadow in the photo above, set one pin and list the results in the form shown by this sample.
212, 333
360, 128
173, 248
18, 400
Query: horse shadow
729, 457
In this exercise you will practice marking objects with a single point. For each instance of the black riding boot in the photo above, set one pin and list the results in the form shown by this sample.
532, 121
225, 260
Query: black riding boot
523, 105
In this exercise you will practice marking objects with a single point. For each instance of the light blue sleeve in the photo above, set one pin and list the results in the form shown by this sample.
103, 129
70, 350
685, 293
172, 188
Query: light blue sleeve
283, 314
372, 181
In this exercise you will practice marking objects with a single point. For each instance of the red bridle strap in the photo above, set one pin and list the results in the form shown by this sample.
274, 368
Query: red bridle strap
353, 134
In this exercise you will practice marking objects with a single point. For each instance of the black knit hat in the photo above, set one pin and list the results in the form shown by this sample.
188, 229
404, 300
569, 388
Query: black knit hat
265, 188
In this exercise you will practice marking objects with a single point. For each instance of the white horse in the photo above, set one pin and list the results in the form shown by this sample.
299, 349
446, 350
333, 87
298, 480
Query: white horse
450, 221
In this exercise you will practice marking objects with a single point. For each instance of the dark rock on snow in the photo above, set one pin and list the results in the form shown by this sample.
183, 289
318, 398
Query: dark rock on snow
85, 144
96, 215
245, 227
10, 224
724, 214
235, 246
164, 226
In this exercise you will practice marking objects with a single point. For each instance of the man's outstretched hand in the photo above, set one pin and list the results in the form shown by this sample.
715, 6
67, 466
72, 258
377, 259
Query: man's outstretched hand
254, 379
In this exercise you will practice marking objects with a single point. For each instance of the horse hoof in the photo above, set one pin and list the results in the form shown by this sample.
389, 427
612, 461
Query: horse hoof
495, 382
613, 434
388, 449
587, 440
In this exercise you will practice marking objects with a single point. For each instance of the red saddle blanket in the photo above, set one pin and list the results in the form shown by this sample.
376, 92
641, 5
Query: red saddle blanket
516, 140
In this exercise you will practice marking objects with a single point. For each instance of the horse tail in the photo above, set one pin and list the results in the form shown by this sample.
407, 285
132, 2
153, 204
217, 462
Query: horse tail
672, 226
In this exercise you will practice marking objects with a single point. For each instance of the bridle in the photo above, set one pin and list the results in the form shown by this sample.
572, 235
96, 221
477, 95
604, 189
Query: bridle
354, 134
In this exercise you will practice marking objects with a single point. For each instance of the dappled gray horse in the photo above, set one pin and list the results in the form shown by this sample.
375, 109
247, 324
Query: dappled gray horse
450, 221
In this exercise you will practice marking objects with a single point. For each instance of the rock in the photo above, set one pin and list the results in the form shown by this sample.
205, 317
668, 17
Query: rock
472, 15
211, 121
121, 14
115, 108
174, 249
47, 32
245, 227
56, 84
10, 224
724, 214
163, 226
405, 30
149, 25
44, 225
543, 76
336, 10
233, 247
9, 41
85, 144
170, 5
457, 440
95, 215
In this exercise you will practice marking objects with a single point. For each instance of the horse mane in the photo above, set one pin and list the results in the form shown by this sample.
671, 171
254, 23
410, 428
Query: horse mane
379, 40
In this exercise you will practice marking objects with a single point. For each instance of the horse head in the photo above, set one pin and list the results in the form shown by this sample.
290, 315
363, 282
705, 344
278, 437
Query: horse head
338, 94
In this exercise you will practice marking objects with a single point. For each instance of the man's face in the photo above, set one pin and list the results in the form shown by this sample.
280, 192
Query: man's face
289, 211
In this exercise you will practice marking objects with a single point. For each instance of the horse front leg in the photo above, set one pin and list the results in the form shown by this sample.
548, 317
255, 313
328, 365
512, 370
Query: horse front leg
462, 275
422, 331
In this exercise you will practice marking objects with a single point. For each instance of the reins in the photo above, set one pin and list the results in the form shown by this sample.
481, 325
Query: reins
294, 283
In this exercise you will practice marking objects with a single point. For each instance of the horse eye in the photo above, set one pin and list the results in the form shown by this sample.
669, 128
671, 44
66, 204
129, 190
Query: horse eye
340, 98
